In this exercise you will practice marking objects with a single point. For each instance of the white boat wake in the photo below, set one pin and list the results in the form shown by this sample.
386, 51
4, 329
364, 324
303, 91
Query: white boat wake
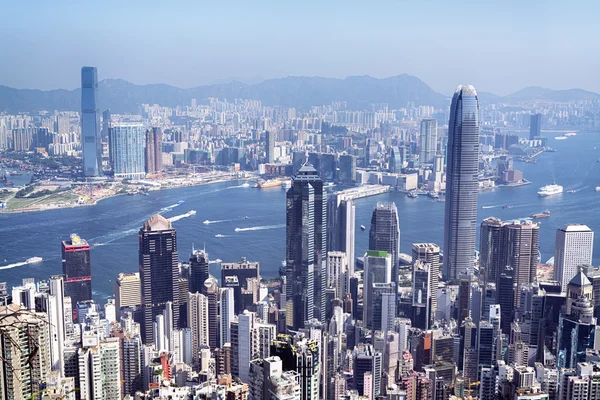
259, 228
220, 235
182, 216
208, 222
31, 260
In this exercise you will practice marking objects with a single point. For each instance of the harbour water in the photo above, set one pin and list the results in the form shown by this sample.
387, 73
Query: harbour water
220, 224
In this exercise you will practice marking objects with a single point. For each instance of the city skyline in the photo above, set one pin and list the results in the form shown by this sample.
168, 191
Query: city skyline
387, 47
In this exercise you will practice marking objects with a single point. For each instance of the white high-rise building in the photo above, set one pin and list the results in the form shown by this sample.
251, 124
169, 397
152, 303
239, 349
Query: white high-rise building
198, 322
56, 320
337, 273
428, 141
100, 371
574, 247
226, 314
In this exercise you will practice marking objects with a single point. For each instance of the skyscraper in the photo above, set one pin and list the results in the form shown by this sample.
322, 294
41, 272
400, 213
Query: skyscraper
56, 322
77, 269
127, 291
429, 253
90, 123
198, 271
106, 120
574, 247
236, 275
159, 271
396, 161
462, 184
428, 141
347, 173
384, 234
270, 147
127, 151
306, 245
378, 269
153, 150
341, 227
535, 126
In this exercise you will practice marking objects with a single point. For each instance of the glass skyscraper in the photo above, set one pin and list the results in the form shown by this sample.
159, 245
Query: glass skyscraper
428, 141
90, 123
77, 269
127, 150
306, 245
460, 224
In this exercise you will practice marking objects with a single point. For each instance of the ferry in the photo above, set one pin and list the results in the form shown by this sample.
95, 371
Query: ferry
570, 134
550, 190
245, 185
412, 195
506, 207
269, 184
560, 138
544, 214
34, 260
597, 189
362, 228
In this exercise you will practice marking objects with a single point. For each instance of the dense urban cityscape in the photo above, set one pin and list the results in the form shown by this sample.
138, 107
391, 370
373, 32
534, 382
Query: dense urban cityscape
299, 237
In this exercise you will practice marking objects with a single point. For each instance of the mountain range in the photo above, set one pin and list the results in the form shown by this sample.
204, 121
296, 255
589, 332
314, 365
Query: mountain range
301, 92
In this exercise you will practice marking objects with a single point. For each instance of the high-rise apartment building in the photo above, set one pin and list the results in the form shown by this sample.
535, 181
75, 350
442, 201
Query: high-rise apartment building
77, 269
56, 322
269, 147
428, 141
198, 322
127, 151
159, 270
25, 353
153, 151
90, 123
128, 291
462, 184
100, 370
574, 247
306, 245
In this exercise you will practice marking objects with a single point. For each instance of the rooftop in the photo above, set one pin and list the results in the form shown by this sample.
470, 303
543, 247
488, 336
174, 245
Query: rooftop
157, 223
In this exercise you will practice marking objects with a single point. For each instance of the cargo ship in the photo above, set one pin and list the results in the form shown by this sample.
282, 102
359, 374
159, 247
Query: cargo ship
544, 214
268, 184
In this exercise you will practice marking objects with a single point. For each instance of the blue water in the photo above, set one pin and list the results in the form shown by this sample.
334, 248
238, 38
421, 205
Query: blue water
112, 225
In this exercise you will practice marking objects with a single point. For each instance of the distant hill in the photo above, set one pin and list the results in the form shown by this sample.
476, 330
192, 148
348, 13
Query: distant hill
294, 91
125, 97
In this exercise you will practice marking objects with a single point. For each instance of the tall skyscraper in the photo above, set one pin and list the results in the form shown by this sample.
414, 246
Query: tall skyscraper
306, 245
56, 322
491, 238
574, 247
159, 271
90, 123
127, 151
384, 234
341, 227
198, 271
535, 126
378, 269
106, 120
428, 141
270, 147
462, 185
77, 269
153, 150
396, 160
347, 173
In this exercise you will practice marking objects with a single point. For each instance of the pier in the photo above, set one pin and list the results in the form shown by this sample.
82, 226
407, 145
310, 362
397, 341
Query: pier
363, 191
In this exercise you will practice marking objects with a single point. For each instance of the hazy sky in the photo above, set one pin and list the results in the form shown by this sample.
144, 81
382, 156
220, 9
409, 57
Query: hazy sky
498, 46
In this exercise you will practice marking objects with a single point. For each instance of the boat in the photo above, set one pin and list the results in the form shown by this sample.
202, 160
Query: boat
34, 260
206, 222
246, 217
412, 195
505, 206
550, 190
570, 134
245, 185
597, 189
560, 138
9, 183
543, 214
433, 195
192, 212
180, 202
269, 184
571, 191
362, 228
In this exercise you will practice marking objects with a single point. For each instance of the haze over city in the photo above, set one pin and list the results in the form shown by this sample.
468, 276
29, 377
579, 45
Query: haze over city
498, 46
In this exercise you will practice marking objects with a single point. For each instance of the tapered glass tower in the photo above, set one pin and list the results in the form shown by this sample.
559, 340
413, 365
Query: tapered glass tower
90, 123
460, 224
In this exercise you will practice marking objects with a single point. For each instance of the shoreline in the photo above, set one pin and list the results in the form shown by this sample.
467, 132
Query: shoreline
95, 202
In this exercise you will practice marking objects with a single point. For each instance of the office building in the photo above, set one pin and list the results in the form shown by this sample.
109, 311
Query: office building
396, 162
368, 363
341, 227
127, 143
226, 315
462, 184
159, 270
383, 303
198, 273
131, 364
90, 123
306, 246
128, 291
428, 141
491, 240
535, 126
153, 151
106, 121
212, 296
303, 357
421, 301
384, 233
429, 253
574, 247
237, 275
25, 353
77, 269
377, 269
347, 173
